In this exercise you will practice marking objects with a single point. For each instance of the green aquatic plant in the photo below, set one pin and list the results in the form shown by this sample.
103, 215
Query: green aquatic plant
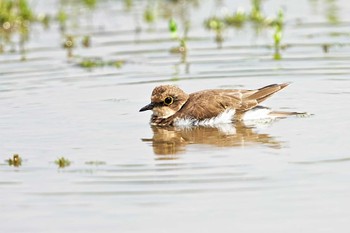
217, 25
45, 19
237, 19
86, 41
69, 44
91, 4
277, 36
149, 15
128, 4
62, 162
256, 14
62, 18
325, 48
15, 161
15, 19
90, 63
332, 11
173, 29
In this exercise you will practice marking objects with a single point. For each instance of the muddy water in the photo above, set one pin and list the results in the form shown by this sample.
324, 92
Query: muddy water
126, 176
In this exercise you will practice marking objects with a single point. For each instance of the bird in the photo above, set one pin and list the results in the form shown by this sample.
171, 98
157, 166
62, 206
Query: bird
172, 106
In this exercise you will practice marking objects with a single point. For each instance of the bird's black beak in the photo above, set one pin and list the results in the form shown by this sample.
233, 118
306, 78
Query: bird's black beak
147, 107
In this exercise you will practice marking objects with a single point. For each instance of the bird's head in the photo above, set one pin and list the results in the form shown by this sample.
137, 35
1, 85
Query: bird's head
166, 100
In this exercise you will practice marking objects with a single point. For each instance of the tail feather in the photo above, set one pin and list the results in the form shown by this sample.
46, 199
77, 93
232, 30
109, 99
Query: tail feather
282, 114
265, 92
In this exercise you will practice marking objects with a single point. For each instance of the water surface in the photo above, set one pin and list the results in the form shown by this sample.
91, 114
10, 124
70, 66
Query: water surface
127, 176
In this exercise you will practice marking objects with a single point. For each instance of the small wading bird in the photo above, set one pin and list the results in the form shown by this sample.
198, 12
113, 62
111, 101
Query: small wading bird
171, 106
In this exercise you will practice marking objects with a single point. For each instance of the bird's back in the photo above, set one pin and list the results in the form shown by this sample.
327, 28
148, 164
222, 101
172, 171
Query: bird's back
211, 103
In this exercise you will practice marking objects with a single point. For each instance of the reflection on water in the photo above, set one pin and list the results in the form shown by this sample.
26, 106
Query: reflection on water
173, 140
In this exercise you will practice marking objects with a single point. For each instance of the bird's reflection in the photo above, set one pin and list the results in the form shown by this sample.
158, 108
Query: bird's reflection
173, 140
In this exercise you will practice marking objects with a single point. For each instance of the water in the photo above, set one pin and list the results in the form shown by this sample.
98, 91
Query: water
126, 176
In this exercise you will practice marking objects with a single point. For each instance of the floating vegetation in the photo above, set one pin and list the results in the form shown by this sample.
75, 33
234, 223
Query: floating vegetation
98, 62
15, 161
62, 162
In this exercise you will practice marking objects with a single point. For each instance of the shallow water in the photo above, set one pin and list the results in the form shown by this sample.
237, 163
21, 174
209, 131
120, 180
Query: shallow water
126, 176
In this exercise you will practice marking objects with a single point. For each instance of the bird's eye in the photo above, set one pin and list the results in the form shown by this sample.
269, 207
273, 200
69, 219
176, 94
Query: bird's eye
168, 100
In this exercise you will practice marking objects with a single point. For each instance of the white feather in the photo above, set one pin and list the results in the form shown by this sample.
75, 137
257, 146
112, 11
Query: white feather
225, 117
256, 115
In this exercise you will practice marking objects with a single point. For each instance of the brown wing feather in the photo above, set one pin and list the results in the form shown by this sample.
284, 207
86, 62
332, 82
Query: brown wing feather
209, 103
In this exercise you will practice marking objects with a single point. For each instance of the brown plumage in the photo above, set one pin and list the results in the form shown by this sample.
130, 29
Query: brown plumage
170, 103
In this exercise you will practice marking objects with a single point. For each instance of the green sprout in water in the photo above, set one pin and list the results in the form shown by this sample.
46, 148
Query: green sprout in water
128, 4
62, 162
332, 11
173, 29
90, 3
256, 14
86, 41
217, 25
237, 19
62, 18
90, 63
15, 18
15, 161
149, 15
69, 45
277, 36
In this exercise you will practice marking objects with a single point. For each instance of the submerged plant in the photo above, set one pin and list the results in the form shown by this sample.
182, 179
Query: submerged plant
15, 161
62, 162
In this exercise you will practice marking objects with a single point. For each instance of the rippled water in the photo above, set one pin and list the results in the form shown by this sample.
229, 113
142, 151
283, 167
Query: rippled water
125, 176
